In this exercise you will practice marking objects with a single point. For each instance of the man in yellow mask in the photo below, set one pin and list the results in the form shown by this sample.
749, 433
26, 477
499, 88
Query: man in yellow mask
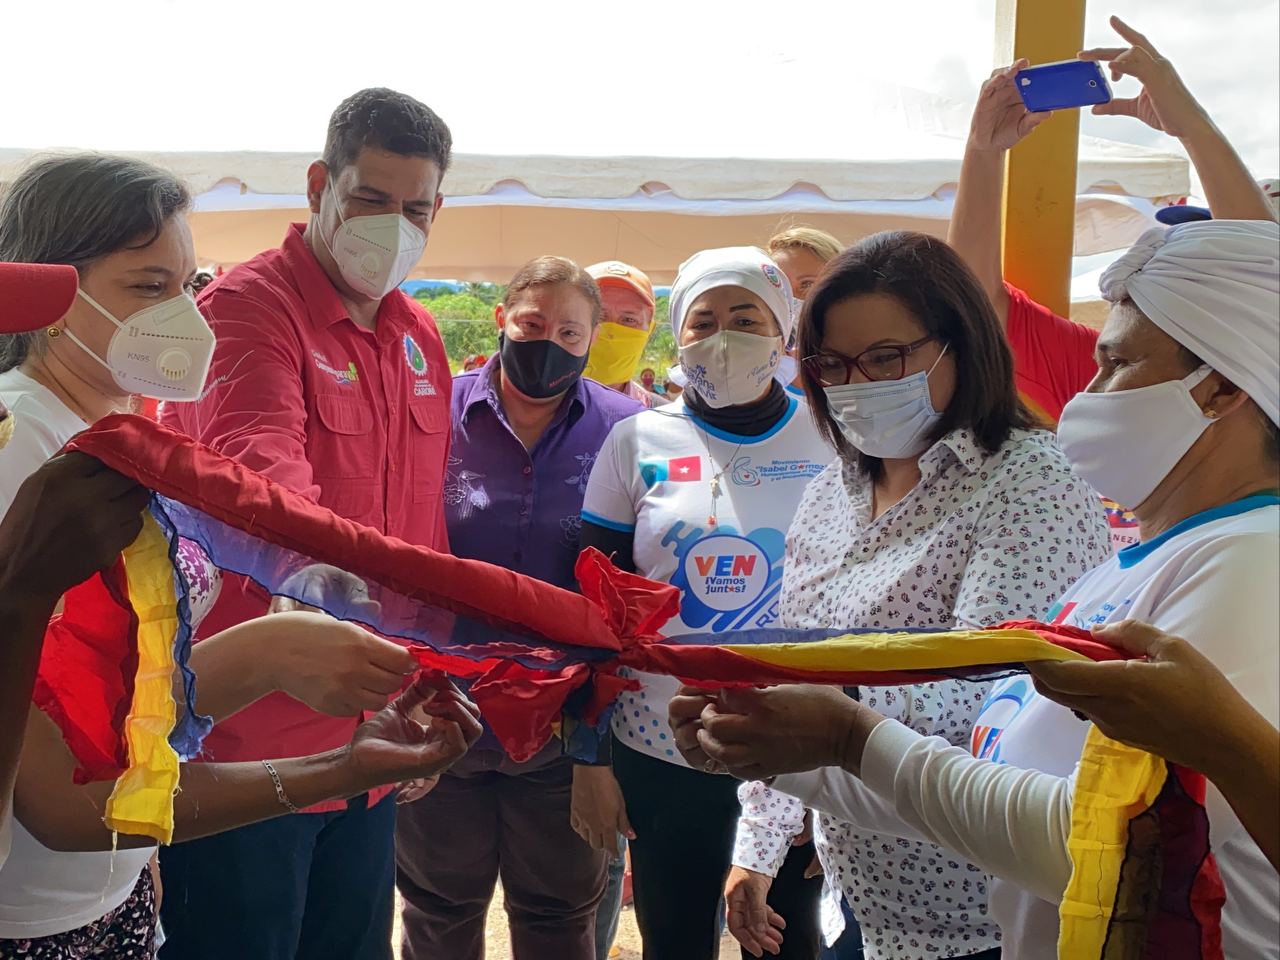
627, 295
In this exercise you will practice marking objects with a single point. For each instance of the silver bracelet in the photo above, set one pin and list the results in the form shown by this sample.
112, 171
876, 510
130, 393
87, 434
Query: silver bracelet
280, 794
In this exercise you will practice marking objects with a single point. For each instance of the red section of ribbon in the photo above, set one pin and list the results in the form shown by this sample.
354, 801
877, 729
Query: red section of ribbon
87, 670
635, 608
177, 467
519, 703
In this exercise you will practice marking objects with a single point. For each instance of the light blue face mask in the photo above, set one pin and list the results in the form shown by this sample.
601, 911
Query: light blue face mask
889, 419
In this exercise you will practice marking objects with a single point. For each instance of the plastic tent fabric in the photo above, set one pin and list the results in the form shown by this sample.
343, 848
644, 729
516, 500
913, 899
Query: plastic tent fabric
655, 211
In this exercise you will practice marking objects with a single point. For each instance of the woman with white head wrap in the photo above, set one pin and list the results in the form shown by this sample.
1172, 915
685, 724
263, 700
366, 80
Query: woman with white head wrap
699, 493
1181, 422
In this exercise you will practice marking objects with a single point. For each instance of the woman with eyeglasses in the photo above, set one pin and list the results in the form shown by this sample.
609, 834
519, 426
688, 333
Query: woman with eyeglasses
945, 508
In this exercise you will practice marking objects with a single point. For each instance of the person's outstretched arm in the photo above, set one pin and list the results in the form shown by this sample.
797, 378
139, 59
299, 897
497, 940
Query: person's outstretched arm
1159, 705
418, 735
1167, 105
1000, 120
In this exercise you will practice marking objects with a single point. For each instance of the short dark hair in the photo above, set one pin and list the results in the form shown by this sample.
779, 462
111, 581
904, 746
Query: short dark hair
931, 281
78, 208
385, 120
549, 271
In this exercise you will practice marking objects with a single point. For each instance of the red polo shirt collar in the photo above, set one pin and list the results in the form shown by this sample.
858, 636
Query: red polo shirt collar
324, 306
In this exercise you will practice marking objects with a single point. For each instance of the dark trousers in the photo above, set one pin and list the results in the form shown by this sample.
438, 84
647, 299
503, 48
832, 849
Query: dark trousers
310, 886
685, 822
481, 823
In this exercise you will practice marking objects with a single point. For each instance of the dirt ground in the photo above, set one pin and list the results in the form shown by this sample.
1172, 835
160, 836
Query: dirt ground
628, 943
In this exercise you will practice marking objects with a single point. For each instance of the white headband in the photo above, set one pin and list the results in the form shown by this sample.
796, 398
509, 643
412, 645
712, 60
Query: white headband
1214, 286
747, 267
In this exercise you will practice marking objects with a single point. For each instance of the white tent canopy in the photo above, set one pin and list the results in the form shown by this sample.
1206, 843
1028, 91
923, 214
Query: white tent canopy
654, 212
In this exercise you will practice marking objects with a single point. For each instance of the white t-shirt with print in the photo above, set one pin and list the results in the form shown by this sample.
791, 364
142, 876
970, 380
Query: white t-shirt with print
41, 425
1212, 581
44, 892
654, 476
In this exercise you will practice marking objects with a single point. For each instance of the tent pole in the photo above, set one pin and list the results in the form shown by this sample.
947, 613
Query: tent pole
1040, 178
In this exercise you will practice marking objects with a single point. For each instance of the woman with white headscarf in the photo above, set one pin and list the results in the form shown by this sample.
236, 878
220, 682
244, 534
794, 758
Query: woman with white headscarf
699, 493
1181, 421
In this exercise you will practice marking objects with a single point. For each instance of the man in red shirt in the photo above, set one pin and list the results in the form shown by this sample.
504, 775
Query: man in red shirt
329, 380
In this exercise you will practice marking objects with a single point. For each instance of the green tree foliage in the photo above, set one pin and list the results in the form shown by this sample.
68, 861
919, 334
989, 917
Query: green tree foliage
464, 318
660, 353
458, 306
489, 293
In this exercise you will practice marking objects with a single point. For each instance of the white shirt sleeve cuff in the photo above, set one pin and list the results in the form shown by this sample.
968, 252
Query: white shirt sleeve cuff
883, 754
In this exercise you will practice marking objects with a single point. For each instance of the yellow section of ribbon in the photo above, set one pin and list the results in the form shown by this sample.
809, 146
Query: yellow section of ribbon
943, 650
142, 801
1114, 785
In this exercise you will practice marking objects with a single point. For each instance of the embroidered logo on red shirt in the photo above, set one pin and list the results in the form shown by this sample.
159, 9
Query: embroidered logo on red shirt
417, 362
343, 377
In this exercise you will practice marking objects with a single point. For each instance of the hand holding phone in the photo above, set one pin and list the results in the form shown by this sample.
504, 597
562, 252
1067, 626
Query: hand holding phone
1165, 103
1062, 85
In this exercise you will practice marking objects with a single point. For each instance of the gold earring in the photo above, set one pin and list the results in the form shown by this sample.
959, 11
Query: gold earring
54, 332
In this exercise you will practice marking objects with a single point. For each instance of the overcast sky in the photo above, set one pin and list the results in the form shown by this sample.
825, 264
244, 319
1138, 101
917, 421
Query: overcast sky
669, 77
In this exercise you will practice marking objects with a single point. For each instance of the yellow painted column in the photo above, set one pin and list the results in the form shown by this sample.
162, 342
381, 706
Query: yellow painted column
1040, 180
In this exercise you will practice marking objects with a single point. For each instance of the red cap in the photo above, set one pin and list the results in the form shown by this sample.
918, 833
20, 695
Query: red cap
35, 295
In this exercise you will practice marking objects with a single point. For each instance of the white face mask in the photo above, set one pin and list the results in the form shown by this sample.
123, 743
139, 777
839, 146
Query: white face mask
730, 368
1125, 442
162, 352
375, 254
787, 371
889, 419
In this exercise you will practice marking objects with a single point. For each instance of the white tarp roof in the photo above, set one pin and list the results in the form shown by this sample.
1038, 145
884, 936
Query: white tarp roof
653, 211
905, 167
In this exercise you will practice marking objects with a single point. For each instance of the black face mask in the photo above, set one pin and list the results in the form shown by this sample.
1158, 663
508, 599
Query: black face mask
539, 368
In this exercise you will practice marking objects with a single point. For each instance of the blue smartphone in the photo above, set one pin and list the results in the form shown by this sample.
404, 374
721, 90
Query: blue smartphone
1062, 85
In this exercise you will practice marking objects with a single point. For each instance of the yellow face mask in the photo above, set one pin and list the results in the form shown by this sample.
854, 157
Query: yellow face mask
615, 354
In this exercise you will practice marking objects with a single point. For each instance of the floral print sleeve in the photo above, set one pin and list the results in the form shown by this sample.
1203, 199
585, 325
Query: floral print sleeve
204, 580
769, 822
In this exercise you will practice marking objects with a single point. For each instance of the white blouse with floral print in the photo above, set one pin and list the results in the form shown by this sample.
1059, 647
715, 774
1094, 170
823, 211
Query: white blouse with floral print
982, 538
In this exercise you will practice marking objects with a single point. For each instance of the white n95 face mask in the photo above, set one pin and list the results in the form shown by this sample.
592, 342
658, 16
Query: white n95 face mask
1125, 442
162, 352
888, 419
730, 368
375, 254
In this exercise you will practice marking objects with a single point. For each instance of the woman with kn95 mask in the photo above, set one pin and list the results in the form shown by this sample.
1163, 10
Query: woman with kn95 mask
941, 498
1186, 401
699, 493
122, 225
